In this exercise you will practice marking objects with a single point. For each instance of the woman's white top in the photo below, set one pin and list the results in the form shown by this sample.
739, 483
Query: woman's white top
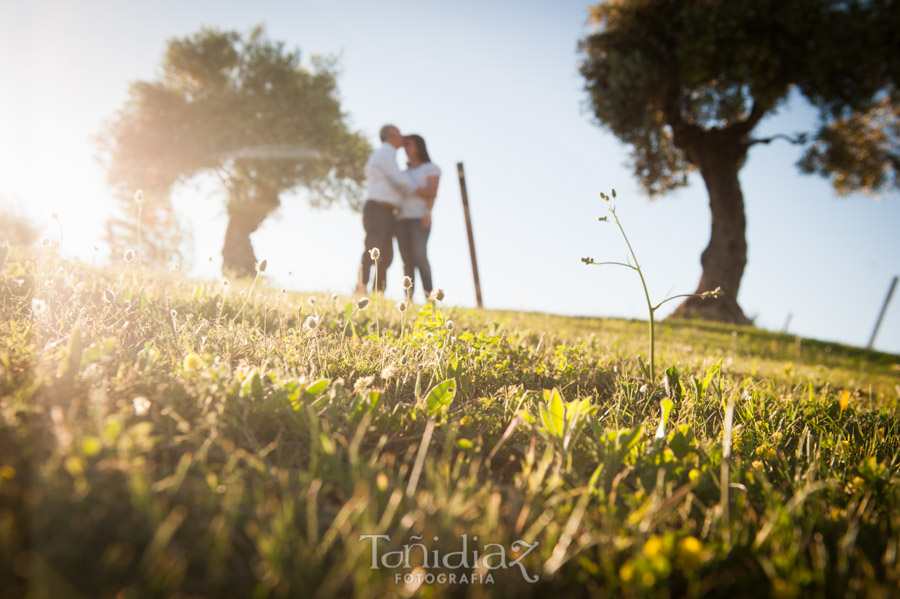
414, 205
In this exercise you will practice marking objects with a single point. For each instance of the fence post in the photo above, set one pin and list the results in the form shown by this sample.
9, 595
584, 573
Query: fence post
881, 314
465, 202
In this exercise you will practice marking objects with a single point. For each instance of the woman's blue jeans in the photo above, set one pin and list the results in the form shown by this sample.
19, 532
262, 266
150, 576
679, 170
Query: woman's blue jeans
412, 241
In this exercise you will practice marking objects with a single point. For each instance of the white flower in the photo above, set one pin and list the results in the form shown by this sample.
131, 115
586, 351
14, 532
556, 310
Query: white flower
401, 306
141, 405
438, 294
374, 253
449, 325
38, 306
388, 372
312, 322
407, 283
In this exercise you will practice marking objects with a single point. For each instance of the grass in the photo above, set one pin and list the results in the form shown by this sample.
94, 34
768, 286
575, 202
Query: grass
154, 443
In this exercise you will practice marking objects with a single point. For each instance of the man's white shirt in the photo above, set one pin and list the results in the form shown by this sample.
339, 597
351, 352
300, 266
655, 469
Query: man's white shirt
385, 181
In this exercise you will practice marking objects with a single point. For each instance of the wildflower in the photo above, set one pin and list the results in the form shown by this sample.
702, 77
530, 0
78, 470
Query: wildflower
193, 361
45, 242
438, 294
312, 301
388, 371
653, 546
175, 267
141, 405
401, 306
644, 389
363, 384
449, 325
38, 306
690, 552
261, 267
334, 297
407, 283
109, 296
173, 314
139, 197
224, 282
362, 304
374, 253
312, 323
717, 292
128, 255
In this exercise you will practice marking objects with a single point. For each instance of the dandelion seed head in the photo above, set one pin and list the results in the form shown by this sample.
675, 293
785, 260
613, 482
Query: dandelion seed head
312, 322
363, 303
374, 253
407, 283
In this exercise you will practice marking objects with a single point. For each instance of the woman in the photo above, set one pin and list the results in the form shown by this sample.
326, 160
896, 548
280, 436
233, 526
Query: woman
413, 223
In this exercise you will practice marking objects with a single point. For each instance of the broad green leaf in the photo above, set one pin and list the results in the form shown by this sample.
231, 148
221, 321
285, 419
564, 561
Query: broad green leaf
440, 397
557, 413
665, 406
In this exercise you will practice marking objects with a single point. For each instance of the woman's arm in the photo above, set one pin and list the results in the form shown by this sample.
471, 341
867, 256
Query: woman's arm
430, 193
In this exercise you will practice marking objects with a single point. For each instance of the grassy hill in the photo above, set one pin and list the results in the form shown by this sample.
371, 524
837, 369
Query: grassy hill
167, 437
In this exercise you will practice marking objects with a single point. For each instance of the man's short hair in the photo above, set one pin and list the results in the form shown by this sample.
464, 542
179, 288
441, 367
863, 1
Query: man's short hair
386, 131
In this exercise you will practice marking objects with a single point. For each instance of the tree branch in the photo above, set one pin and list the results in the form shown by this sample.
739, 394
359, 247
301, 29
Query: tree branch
797, 139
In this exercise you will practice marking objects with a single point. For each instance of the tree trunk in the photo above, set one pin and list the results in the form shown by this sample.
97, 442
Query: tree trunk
245, 215
725, 257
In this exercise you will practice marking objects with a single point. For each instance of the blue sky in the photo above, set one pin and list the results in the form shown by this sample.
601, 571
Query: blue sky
492, 84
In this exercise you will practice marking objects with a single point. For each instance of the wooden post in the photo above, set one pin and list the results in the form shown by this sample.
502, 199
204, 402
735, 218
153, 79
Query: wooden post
881, 314
465, 202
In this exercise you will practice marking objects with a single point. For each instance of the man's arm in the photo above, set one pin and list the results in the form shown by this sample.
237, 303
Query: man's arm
387, 164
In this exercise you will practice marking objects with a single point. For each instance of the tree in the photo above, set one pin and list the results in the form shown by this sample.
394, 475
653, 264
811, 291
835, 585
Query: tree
685, 83
245, 109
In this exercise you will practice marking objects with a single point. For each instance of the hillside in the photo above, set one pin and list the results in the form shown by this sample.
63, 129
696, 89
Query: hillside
167, 437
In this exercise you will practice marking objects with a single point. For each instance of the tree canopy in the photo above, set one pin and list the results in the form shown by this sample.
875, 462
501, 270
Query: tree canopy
685, 83
245, 108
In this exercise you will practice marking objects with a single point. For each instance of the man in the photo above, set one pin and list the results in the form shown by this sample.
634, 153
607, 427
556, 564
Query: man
385, 187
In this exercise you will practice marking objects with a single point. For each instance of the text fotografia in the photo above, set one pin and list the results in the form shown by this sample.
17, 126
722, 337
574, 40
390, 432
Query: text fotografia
484, 560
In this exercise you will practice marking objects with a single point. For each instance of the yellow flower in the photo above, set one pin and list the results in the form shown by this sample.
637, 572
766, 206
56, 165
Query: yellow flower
193, 362
653, 546
690, 552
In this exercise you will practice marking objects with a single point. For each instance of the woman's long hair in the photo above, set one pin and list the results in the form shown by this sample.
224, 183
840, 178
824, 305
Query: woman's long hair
420, 147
